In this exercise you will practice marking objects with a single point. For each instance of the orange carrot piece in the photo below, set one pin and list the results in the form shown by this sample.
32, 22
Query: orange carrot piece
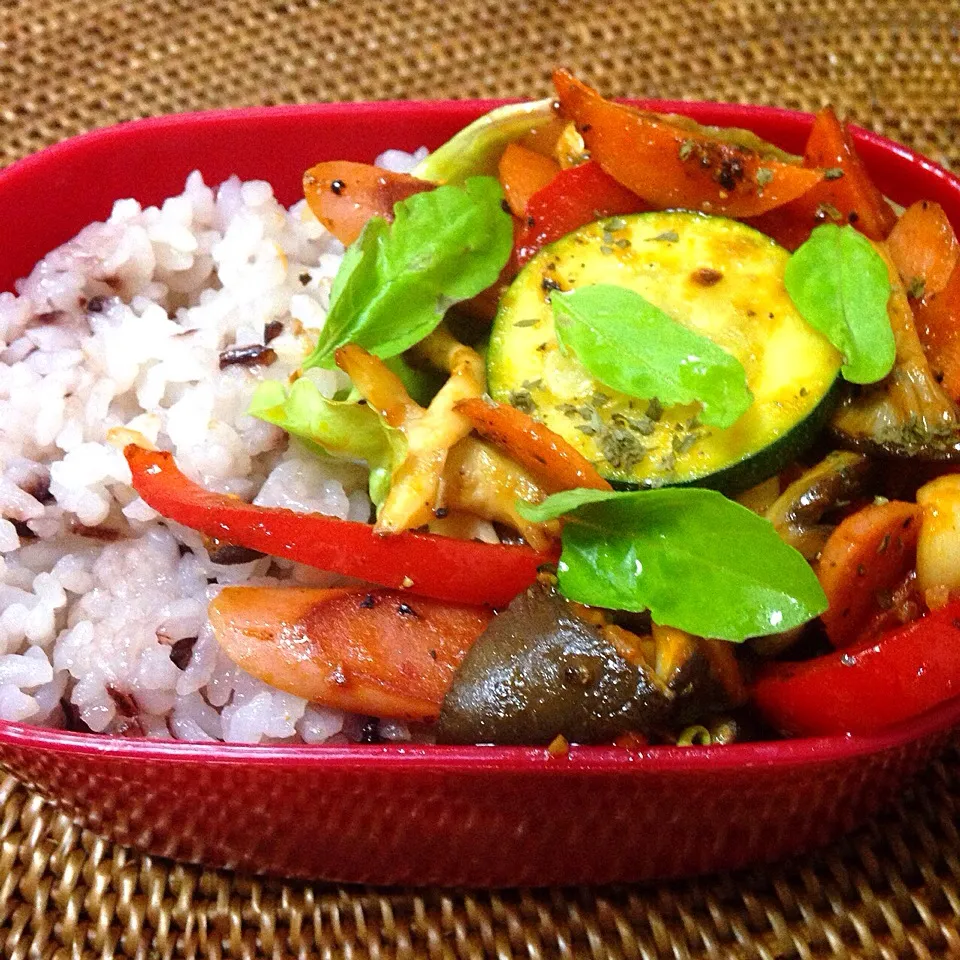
522, 173
924, 247
669, 166
938, 325
553, 461
378, 652
866, 557
845, 195
344, 196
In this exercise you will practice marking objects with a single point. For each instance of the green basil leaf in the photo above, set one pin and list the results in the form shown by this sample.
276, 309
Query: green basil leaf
398, 280
841, 286
693, 558
339, 429
632, 346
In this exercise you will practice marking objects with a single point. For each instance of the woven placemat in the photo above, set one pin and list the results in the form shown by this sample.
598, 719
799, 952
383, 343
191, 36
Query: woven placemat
69, 65
892, 888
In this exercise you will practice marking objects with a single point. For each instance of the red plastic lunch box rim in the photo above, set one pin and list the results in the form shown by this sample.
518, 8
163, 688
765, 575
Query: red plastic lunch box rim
878, 152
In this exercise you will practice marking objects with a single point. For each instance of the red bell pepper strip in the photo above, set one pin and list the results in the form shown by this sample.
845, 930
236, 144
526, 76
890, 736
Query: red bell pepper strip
845, 195
428, 565
673, 167
863, 689
574, 197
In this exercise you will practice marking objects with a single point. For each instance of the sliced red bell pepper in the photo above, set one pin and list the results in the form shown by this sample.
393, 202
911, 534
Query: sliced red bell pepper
863, 689
574, 197
425, 564
845, 195
670, 166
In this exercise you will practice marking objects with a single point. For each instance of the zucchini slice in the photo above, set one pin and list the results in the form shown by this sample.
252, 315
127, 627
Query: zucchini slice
716, 276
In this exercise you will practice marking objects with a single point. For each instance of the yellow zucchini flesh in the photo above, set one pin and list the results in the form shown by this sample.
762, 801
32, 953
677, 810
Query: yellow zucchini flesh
716, 276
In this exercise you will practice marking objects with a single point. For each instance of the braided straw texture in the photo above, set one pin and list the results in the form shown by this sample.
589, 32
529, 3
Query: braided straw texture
893, 888
69, 65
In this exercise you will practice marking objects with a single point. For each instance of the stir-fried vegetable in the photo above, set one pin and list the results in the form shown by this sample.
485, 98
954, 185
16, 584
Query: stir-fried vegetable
415, 488
337, 428
426, 565
845, 195
938, 322
924, 248
721, 281
907, 414
573, 198
798, 514
670, 166
541, 670
863, 689
523, 172
643, 338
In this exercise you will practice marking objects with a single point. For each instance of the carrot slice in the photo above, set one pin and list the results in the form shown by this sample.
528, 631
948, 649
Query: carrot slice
344, 196
924, 247
673, 167
865, 558
845, 195
553, 461
938, 326
378, 652
522, 173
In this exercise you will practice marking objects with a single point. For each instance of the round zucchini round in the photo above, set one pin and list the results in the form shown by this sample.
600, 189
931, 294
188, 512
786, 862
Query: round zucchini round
716, 276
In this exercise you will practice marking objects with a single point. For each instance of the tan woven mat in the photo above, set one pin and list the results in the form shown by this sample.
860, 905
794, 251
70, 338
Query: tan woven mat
893, 888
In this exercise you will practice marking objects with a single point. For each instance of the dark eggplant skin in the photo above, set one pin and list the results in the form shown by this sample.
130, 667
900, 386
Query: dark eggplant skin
538, 671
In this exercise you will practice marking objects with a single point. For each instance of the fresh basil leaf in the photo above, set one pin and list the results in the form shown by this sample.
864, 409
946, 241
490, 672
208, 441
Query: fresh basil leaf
693, 558
632, 346
339, 429
841, 286
398, 280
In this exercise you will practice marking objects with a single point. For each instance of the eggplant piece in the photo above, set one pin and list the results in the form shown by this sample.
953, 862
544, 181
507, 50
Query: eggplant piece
907, 415
541, 670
